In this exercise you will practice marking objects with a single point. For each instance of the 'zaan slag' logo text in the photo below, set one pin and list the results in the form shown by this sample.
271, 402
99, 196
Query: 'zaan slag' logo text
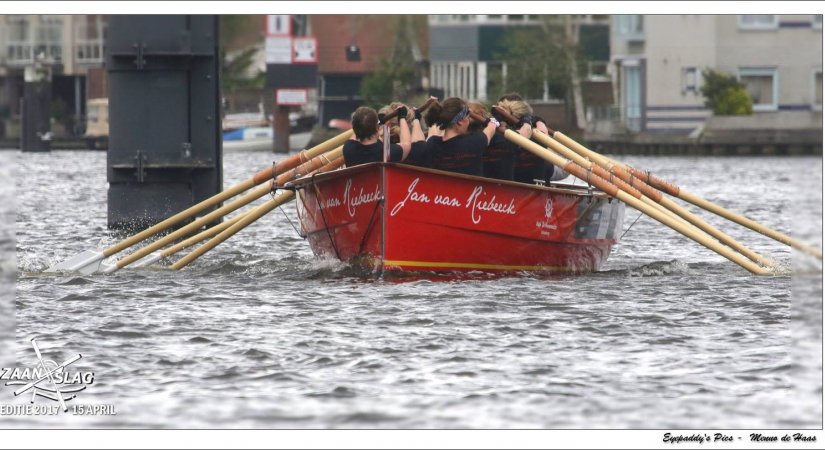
52, 381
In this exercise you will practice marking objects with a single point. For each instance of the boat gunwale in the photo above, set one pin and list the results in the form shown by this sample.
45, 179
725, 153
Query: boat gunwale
583, 191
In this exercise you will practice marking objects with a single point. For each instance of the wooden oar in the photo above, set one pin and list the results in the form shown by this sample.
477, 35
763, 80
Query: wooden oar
631, 200
247, 219
208, 233
89, 261
676, 191
647, 194
253, 195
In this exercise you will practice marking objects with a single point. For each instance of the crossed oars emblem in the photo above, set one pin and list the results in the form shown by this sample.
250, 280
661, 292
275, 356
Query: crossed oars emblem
48, 374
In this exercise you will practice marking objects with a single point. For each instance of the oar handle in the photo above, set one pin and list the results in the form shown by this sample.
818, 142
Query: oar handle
479, 118
505, 115
427, 104
300, 158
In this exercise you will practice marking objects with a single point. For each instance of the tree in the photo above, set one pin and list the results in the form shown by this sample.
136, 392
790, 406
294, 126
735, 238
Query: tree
725, 95
237, 58
398, 75
534, 58
544, 62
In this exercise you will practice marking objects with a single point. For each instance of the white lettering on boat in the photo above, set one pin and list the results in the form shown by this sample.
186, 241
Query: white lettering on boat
475, 201
412, 196
331, 202
361, 198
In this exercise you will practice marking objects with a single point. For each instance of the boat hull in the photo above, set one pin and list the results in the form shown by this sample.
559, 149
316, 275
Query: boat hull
437, 221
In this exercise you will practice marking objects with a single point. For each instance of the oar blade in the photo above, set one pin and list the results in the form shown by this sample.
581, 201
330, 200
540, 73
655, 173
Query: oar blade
86, 263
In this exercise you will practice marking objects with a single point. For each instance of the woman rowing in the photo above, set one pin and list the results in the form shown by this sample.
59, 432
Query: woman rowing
551, 172
418, 156
365, 146
457, 150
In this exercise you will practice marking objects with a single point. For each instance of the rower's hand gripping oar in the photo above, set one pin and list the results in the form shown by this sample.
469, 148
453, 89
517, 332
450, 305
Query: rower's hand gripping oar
630, 199
678, 192
89, 261
649, 195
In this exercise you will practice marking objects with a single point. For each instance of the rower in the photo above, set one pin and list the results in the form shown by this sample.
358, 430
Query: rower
457, 150
365, 146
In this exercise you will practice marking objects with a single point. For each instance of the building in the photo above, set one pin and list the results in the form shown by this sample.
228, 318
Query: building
657, 63
351, 47
71, 46
466, 57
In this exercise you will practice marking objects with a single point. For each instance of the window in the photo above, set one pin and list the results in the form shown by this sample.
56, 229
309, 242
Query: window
763, 85
690, 80
758, 21
817, 103
630, 25
50, 38
816, 23
89, 39
19, 47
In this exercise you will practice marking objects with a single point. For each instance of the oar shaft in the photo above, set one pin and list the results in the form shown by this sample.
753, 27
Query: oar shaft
253, 195
612, 190
651, 195
676, 191
205, 234
260, 177
189, 228
248, 218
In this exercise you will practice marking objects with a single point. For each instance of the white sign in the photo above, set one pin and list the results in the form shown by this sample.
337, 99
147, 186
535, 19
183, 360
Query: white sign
291, 97
278, 25
305, 50
278, 50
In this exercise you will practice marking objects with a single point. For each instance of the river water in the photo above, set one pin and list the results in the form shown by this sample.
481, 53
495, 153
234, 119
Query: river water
260, 334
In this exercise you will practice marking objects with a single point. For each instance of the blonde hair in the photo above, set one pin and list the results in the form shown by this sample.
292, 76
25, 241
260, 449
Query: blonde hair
394, 128
518, 108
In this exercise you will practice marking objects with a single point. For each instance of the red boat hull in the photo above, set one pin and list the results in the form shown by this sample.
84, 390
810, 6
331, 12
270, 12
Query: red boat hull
437, 221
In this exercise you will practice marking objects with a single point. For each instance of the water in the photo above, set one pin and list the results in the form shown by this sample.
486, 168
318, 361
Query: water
260, 334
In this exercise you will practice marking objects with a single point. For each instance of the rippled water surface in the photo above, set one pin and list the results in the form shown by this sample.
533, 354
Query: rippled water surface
260, 334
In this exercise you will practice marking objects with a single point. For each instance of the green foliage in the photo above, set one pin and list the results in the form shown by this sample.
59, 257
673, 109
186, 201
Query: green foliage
393, 81
533, 55
235, 65
725, 95
396, 78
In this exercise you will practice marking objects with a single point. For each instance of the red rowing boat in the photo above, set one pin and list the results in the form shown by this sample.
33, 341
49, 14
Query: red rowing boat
396, 217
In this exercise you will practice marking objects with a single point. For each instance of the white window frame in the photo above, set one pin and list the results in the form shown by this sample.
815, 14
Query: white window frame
626, 25
758, 26
696, 80
762, 71
89, 50
814, 105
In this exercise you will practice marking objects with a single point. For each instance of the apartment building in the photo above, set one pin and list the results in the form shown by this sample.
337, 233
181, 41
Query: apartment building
466, 59
656, 64
70, 46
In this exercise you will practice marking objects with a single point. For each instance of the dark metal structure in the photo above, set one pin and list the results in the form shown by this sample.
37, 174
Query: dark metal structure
164, 116
35, 134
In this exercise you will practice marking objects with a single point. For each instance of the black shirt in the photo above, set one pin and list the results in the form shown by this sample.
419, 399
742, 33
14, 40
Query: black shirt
419, 155
528, 167
357, 153
499, 158
460, 154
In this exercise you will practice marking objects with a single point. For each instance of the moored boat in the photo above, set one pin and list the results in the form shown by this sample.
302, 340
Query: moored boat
396, 217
